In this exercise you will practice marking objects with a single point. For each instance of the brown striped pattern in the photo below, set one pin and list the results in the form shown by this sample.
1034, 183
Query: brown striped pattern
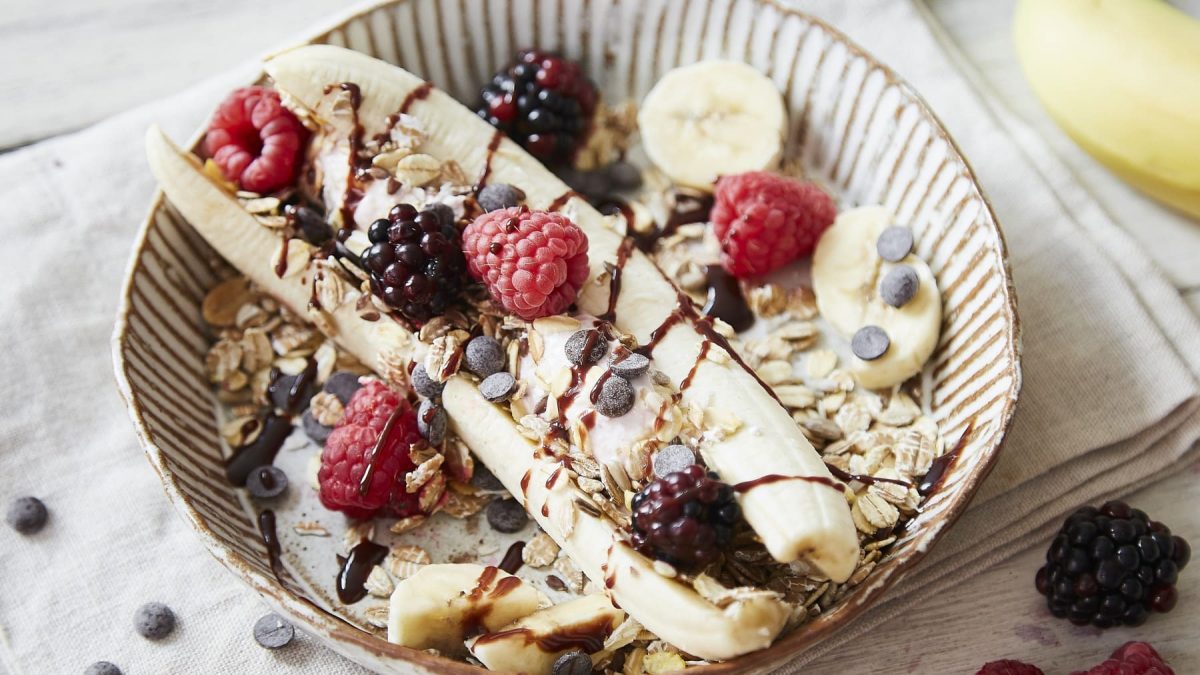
855, 126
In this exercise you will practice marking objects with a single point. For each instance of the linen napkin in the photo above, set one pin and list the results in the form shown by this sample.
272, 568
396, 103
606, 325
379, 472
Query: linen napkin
1110, 401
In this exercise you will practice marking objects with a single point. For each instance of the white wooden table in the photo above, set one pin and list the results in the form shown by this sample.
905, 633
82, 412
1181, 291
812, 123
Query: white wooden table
73, 62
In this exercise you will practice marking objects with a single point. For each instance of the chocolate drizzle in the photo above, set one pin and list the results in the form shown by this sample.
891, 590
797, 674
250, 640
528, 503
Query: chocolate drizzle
687, 381
418, 94
356, 567
587, 637
562, 199
364, 483
261, 452
487, 164
354, 193
725, 299
937, 471
614, 278
865, 480
777, 478
270, 539
513, 560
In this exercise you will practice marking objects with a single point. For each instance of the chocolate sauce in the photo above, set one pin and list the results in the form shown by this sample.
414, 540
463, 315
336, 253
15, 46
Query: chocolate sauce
587, 637
865, 480
598, 388
512, 560
776, 478
725, 299
562, 199
685, 210
262, 451
487, 164
704, 326
364, 483
352, 578
937, 471
659, 333
418, 94
270, 539
281, 264
614, 279
353, 194
687, 381
300, 386
525, 482
578, 375
451, 366
478, 610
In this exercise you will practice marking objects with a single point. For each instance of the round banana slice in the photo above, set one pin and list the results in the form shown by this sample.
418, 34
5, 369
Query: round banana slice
712, 118
847, 272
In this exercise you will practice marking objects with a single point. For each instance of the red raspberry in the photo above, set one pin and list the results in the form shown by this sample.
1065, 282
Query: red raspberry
764, 220
1009, 667
533, 262
255, 140
1131, 658
348, 452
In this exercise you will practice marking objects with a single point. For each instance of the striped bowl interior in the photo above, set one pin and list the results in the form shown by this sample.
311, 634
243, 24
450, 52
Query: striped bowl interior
854, 126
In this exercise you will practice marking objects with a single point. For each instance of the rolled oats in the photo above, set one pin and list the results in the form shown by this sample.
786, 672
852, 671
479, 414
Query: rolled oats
379, 584
541, 551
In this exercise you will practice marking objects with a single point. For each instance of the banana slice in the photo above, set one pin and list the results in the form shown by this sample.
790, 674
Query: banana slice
673, 611
794, 518
437, 606
846, 274
712, 118
531, 645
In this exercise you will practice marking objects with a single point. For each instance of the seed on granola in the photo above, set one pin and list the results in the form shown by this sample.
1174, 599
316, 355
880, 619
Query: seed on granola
498, 387
870, 343
673, 458
580, 340
484, 356
423, 384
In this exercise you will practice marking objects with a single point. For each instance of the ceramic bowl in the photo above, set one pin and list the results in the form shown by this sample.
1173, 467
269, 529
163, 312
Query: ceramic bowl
854, 126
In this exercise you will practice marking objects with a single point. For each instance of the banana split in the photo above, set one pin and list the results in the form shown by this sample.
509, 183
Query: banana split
621, 353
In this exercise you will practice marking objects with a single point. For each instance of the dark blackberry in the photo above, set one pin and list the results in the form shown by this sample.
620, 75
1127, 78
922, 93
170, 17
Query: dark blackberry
685, 518
415, 261
542, 101
1111, 566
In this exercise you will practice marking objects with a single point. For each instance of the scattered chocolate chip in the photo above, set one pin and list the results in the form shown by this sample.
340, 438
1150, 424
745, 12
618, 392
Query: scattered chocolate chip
431, 422
484, 355
578, 340
311, 226
616, 397
899, 285
26, 515
154, 621
444, 212
506, 515
318, 432
266, 482
102, 668
424, 384
894, 243
625, 176
498, 387
343, 384
273, 631
673, 458
870, 343
484, 479
627, 364
498, 196
572, 663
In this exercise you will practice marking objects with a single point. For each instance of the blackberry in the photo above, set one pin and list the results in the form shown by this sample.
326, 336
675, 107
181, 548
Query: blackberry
543, 102
415, 261
685, 518
1111, 566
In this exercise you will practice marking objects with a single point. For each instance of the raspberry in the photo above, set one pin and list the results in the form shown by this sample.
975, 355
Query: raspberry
533, 262
1131, 658
1009, 667
348, 451
255, 140
543, 102
415, 261
765, 221
1111, 566
684, 518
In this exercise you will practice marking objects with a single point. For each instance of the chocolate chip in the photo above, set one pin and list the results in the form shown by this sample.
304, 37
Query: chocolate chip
579, 340
673, 458
484, 355
616, 397
894, 243
27, 515
319, 433
899, 285
280, 392
870, 343
424, 384
266, 482
572, 663
102, 668
444, 212
498, 196
154, 621
625, 176
627, 364
309, 223
431, 422
484, 479
498, 387
273, 631
343, 384
506, 515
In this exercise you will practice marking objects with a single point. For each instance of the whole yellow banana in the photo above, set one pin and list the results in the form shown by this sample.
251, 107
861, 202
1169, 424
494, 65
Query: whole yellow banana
1122, 78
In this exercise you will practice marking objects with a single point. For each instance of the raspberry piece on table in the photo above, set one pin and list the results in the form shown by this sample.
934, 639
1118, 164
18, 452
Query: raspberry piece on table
349, 451
255, 140
1009, 667
764, 221
1131, 658
532, 262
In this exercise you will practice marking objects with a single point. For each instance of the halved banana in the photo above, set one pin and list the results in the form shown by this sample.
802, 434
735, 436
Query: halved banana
672, 610
846, 274
437, 606
795, 518
530, 645
712, 118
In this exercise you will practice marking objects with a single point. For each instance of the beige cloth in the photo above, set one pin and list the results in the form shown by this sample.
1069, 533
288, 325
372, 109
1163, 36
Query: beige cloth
1111, 363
